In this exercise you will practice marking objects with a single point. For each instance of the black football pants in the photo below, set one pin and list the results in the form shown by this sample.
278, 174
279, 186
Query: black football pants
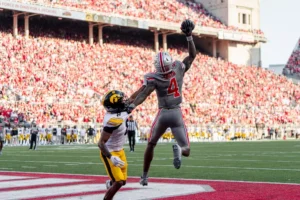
33, 140
131, 139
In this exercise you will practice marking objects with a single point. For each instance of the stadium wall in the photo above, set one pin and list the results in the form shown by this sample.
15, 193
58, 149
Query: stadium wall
222, 49
244, 54
235, 52
277, 69
235, 13
231, 12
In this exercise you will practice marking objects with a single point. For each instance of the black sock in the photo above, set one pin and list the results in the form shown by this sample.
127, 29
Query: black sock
145, 175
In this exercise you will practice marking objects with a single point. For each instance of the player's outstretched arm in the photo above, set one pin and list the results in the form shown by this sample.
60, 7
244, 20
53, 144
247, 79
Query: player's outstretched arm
187, 28
134, 95
141, 97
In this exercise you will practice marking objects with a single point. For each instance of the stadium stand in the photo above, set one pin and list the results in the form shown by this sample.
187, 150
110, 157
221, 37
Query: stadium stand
52, 76
293, 64
161, 10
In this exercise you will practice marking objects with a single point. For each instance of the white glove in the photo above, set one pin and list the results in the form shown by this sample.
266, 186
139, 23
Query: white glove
117, 161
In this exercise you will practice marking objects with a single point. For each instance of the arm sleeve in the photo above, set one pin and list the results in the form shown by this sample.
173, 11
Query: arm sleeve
110, 129
149, 82
112, 124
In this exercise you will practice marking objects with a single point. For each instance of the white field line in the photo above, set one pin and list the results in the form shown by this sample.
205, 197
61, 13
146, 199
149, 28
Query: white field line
36, 181
188, 166
204, 154
163, 178
29, 167
246, 160
57, 156
50, 165
192, 158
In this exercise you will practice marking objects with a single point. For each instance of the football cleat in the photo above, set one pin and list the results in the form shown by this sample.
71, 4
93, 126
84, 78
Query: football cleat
144, 181
177, 156
108, 184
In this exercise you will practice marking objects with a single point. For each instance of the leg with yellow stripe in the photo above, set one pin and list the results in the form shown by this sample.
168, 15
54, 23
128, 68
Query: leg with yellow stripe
117, 174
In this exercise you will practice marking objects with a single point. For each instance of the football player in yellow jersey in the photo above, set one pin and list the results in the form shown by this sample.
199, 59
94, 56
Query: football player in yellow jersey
27, 135
8, 138
112, 140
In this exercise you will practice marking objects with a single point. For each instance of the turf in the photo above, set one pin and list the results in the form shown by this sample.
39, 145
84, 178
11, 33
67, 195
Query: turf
277, 161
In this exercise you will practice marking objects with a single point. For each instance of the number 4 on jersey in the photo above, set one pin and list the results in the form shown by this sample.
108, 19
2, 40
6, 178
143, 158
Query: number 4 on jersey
173, 88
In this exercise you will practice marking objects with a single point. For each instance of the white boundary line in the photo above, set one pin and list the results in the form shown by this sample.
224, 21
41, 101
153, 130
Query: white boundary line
28, 167
50, 165
194, 158
164, 178
5, 168
188, 166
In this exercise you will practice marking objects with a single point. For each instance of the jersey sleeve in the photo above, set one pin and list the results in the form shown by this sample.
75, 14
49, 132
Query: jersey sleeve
112, 124
180, 66
149, 79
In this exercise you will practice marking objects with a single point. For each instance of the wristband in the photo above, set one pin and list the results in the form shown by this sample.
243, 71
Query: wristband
189, 38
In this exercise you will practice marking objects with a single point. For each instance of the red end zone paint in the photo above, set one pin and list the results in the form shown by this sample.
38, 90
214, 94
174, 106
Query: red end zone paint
223, 190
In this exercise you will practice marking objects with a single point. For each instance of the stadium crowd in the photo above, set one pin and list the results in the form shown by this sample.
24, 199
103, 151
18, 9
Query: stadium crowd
293, 64
161, 10
54, 76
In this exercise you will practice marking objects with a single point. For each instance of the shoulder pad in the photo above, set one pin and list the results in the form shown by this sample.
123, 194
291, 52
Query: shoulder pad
178, 63
148, 78
115, 121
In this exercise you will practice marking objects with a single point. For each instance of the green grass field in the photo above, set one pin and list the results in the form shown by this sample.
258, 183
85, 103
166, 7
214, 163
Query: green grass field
247, 161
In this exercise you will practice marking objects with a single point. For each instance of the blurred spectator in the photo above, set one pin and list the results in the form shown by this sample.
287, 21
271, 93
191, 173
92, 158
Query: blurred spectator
91, 135
293, 65
56, 75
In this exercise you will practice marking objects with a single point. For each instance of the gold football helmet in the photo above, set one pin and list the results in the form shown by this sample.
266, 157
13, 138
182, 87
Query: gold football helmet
114, 101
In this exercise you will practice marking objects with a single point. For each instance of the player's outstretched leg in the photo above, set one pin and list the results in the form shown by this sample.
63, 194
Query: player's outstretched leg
158, 129
148, 156
182, 148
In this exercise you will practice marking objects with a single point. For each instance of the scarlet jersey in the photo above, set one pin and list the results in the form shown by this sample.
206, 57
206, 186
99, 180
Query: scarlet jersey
168, 86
